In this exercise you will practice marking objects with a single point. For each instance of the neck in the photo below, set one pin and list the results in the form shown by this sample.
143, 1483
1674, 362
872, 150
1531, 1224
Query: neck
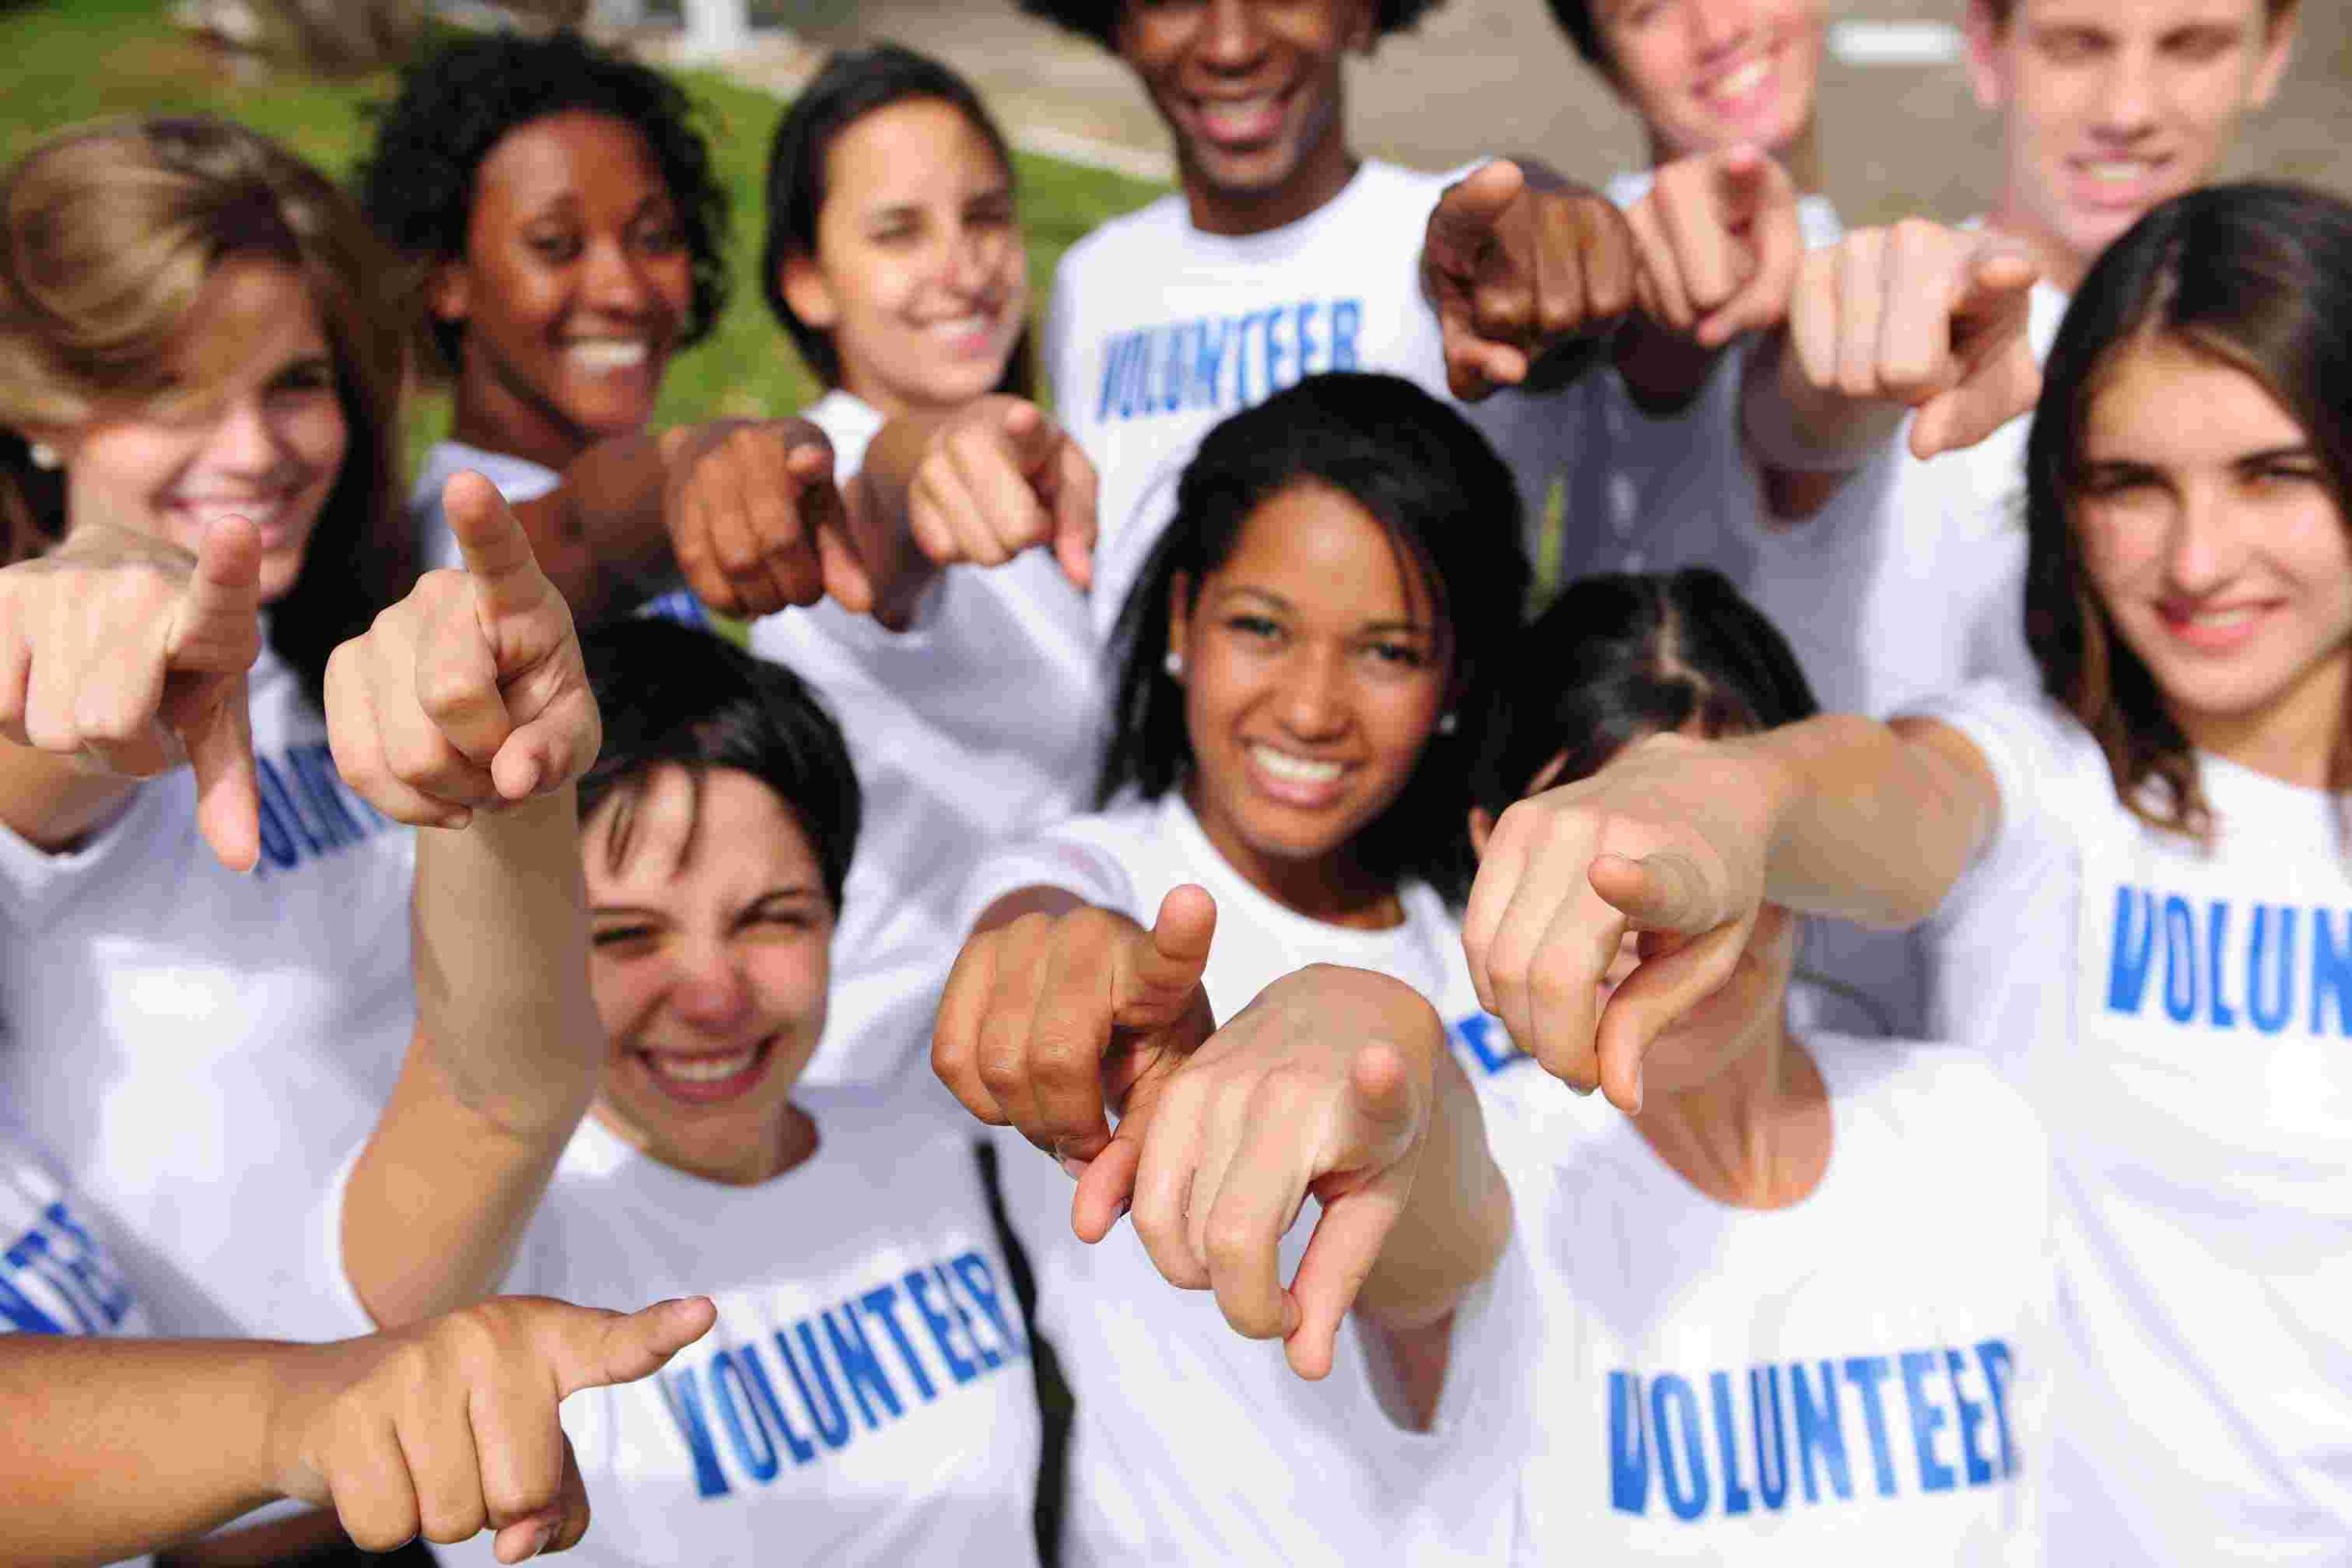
1332, 888
1754, 1136
2061, 266
497, 415
789, 1142
1323, 172
2292, 738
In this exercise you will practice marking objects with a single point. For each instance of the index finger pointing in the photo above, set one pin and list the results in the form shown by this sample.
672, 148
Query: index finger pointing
217, 626
1665, 892
587, 1348
1464, 220
497, 551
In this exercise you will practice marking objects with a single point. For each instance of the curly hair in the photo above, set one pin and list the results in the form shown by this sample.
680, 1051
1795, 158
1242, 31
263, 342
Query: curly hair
456, 104
1576, 19
1099, 19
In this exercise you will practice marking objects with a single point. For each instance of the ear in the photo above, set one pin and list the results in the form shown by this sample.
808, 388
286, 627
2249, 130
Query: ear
1482, 828
2278, 47
448, 293
806, 292
1987, 38
1179, 615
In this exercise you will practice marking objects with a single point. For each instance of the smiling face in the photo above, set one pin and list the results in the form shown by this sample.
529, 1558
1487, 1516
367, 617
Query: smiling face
2110, 108
1707, 74
920, 276
1314, 672
573, 289
2212, 539
1250, 91
709, 964
250, 423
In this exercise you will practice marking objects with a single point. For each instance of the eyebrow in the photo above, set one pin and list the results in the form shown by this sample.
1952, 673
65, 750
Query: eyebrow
1369, 628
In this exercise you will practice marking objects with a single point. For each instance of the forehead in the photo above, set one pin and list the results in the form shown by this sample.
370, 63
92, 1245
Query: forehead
2139, 16
2162, 402
591, 158
722, 835
908, 149
1324, 552
252, 316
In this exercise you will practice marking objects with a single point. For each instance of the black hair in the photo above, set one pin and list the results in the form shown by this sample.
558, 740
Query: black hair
1576, 19
2254, 276
1450, 508
676, 696
854, 84
417, 182
1624, 655
1099, 19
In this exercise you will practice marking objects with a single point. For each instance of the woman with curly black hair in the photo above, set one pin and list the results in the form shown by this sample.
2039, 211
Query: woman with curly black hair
564, 227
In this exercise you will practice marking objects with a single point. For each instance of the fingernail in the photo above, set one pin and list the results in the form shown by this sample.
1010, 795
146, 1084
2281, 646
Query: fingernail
539, 1539
1072, 1167
1290, 1314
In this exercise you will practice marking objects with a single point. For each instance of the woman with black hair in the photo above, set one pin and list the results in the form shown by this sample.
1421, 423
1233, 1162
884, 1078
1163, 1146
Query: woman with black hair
1285, 768
563, 228
2137, 878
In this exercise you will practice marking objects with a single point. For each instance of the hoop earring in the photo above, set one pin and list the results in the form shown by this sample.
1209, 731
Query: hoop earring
43, 454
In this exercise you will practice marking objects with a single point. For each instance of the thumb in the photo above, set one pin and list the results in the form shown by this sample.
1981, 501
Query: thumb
1077, 502
217, 627
497, 551
588, 1348
1032, 436
1996, 283
1466, 214
1166, 963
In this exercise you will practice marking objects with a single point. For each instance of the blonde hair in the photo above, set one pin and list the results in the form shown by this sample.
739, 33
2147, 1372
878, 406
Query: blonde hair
107, 235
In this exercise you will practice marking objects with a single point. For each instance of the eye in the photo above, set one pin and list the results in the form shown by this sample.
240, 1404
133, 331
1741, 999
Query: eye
556, 247
1254, 629
2200, 45
992, 212
623, 942
310, 376
780, 918
1398, 655
2116, 479
658, 238
2071, 46
2283, 473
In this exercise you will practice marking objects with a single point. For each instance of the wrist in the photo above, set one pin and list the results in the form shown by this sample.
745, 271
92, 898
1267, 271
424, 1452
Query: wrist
1794, 427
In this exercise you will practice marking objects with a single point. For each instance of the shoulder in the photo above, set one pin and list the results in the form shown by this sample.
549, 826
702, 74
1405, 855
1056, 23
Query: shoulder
1947, 1108
1106, 858
2030, 743
1112, 243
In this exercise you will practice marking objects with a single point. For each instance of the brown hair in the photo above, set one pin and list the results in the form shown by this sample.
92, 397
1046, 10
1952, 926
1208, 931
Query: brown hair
2254, 276
107, 235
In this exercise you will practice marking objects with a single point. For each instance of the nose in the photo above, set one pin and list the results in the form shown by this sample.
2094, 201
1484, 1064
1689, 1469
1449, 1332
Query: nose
2204, 548
708, 989
2127, 95
245, 441
1717, 25
972, 259
615, 283
1314, 697
1231, 40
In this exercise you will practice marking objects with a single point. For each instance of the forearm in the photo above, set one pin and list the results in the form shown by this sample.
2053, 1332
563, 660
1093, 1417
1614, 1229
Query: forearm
877, 500
1869, 823
502, 1067
1455, 1223
118, 1447
1806, 440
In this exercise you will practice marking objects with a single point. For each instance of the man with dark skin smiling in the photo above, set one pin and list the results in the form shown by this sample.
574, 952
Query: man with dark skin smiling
1285, 255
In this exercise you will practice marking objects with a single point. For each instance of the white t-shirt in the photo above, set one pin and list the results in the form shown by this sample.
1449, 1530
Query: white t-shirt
1911, 581
977, 723
1861, 1377
865, 1395
1156, 331
230, 1035
58, 1275
2180, 1018
517, 479
1192, 1444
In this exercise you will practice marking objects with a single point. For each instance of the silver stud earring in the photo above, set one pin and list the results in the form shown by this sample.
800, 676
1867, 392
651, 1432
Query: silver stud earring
43, 454
1174, 664
1447, 722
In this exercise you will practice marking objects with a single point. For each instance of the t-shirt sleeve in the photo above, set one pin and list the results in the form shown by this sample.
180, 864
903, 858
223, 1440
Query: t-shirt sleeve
1076, 863
2037, 773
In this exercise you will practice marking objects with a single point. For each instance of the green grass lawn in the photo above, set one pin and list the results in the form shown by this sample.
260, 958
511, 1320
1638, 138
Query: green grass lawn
88, 59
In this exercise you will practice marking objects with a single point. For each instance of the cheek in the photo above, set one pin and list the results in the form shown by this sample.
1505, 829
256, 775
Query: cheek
323, 436
520, 297
121, 474
625, 993
671, 280
790, 979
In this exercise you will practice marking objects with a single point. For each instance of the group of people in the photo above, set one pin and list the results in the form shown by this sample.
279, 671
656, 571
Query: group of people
1140, 883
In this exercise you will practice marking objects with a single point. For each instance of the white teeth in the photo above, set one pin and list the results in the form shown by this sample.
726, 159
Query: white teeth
1739, 82
2112, 172
960, 326
1294, 769
1236, 114
703, 1069
2231, 618
608, 354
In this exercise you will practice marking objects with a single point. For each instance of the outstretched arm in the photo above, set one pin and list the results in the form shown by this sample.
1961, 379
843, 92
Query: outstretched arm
443, 1430
466, 710
1836, 816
